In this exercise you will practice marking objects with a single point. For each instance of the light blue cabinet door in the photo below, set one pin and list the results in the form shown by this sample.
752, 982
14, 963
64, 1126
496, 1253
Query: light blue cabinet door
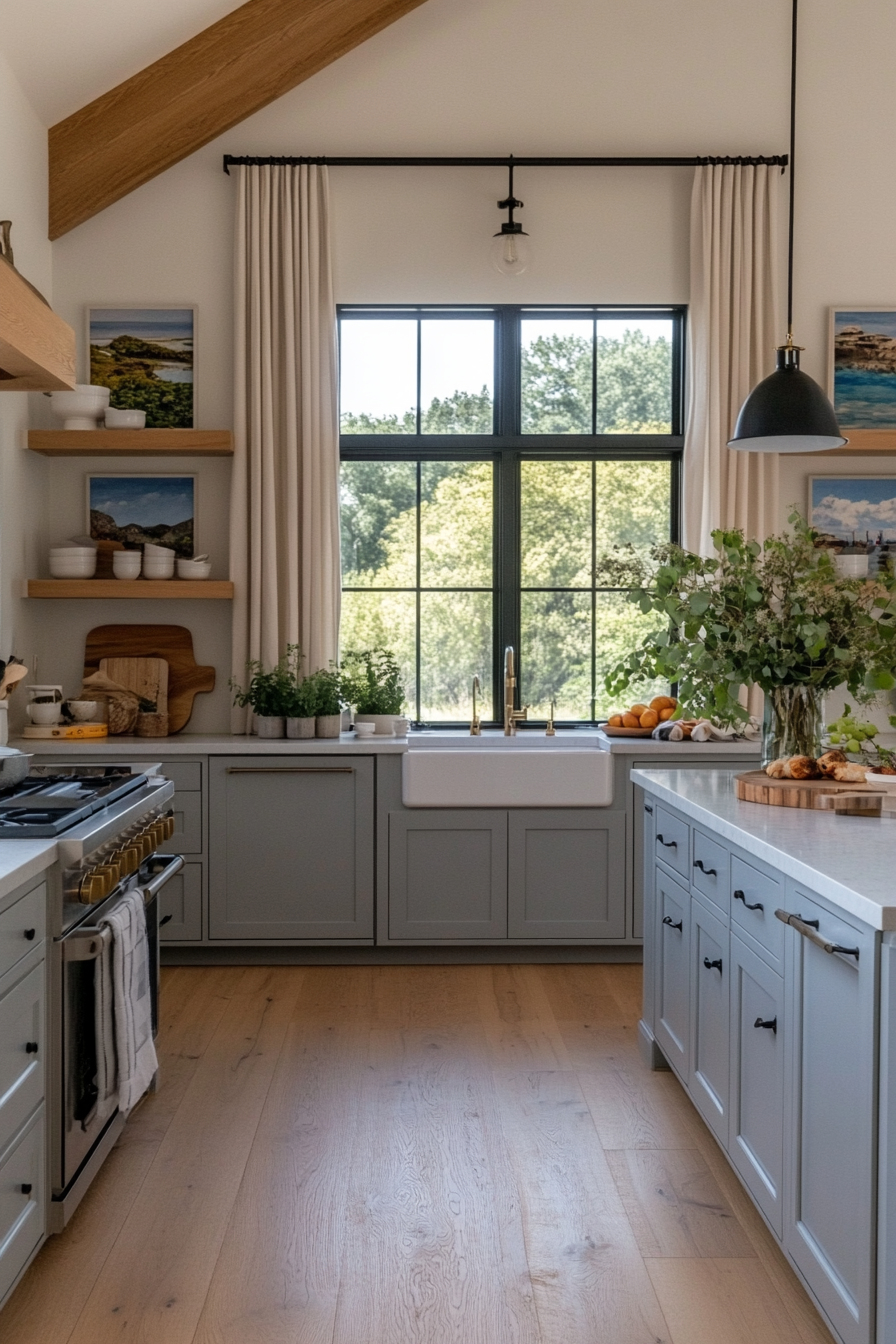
709, 1008
756, 1124
829, 1218
448, 874
673, 939
566, 873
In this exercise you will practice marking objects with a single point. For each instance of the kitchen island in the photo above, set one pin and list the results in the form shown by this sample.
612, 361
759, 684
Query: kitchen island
770, 989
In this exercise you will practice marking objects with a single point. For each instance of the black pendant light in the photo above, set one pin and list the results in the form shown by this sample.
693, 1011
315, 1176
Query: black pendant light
788, 412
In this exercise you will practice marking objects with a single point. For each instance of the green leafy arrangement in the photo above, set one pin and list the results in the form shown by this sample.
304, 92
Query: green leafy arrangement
371, 681
772, 614
269, 694
322, 693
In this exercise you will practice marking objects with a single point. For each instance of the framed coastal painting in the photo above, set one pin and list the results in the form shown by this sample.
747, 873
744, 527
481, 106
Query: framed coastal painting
862, 370
853, 508
146, 356
136, 507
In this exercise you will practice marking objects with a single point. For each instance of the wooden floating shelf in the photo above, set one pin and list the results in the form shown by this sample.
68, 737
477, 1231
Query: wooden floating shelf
131, 442
37, 349
141, 588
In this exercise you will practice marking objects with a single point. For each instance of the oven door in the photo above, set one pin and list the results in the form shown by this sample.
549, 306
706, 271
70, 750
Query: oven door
85, 1116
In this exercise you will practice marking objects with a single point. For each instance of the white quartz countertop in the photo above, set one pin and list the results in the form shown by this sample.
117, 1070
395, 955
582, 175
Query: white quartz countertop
20, 860
848, 860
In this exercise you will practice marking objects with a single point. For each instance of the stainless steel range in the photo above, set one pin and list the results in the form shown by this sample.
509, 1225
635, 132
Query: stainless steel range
110, 822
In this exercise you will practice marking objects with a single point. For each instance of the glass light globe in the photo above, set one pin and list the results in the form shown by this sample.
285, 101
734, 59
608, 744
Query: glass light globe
511, 252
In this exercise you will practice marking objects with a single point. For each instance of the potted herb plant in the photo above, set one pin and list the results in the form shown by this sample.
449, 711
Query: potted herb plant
323, 690
776, 615
268, 695
372, 685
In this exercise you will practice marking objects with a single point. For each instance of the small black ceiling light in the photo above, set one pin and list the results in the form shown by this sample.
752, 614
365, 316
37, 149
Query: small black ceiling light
788, 412
511, 251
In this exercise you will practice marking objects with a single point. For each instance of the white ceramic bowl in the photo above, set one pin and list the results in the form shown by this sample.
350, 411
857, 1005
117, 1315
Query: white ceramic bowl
118, 418
881, 781
365, 729
73, 549
158, 569
194, 569
82, 711
76, 567
150, 548
82, 408
126, 564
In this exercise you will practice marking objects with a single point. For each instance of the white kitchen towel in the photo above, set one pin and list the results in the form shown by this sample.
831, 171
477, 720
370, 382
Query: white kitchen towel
134, 1046
104, 1023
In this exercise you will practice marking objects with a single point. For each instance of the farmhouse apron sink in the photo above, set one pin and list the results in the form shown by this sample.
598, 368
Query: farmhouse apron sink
505, 772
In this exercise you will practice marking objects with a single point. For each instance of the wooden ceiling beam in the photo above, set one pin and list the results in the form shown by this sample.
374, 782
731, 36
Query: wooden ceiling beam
179, 103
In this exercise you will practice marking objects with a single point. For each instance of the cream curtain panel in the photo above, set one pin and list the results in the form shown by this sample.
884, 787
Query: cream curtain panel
731, 346
284, 518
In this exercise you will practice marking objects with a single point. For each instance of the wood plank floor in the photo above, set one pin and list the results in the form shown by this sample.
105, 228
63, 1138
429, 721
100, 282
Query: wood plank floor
411, 1155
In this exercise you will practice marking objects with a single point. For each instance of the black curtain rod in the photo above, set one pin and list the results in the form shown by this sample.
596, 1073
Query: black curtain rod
532, 161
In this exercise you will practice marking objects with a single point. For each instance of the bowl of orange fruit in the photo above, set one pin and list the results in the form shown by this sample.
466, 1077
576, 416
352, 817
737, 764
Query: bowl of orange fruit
640, 720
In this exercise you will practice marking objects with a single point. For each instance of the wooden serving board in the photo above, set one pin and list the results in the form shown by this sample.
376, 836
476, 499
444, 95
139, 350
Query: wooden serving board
757, 787
626, 732
147, 677
173, 643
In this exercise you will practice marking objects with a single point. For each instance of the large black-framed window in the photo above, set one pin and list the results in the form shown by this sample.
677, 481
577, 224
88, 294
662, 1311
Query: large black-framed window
490, 454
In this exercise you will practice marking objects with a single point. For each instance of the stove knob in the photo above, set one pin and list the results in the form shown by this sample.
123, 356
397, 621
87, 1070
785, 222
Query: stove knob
158, 833
93, 887
143, 843
111, 873
128, 859
169, 827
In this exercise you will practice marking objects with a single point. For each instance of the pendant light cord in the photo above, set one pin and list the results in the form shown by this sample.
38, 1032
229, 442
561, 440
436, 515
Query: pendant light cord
792, 150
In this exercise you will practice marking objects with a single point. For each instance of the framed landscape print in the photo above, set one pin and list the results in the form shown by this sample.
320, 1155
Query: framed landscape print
850, 507
862, 381
139, 507
145, 356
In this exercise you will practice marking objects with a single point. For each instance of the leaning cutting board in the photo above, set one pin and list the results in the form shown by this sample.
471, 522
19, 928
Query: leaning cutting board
173, 643
757, 787
147, 677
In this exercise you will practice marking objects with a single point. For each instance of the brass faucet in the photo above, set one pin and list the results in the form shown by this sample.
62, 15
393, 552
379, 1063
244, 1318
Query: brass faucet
475, 726
511, 716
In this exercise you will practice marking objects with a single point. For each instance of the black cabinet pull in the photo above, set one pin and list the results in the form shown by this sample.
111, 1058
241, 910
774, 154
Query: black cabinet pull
667, 919
27, 1187
648, 808
29, 934
770, 1026
31, 1048
713, 965
739, 896
166, 919
668, 844
710, 872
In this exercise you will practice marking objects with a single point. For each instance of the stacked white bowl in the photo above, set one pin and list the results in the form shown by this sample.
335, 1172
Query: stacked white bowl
82, 408
72, 562
126, 564
158, 561
193, 569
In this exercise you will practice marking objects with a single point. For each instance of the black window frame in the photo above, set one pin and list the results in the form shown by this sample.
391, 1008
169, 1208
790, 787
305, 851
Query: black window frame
507, 447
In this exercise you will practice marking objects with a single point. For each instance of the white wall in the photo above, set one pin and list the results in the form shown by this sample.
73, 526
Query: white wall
497, 76
23, 199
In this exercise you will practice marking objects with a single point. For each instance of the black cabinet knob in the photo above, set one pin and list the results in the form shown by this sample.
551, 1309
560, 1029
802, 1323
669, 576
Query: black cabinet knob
667, 919
31, 1048
739, 896
769, 1026
713, 965
667, 844
29, 934
710, 872
27, 1187
648, 808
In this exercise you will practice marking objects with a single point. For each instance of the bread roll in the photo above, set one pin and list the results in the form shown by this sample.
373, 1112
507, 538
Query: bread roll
803, 767
630, 721
775, 769
849, 773
829, 760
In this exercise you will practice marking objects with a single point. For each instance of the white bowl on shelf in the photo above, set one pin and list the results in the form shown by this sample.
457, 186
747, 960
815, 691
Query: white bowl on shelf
82, 408
126, 564
150, 548
158, 568
73, 567
194, 569
887, 782
120, 418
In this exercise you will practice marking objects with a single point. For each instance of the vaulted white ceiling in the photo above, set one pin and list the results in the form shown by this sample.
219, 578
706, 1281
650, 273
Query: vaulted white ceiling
65, 53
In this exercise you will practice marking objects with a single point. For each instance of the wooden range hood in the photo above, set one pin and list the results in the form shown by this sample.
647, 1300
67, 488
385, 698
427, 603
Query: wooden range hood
37, 349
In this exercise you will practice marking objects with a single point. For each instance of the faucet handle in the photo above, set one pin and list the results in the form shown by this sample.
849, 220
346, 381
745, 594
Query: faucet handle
475, 724
550, 731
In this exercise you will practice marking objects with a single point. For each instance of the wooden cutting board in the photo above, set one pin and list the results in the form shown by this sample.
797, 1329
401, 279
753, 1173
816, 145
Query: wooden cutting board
148, 677
173, 643
757, 787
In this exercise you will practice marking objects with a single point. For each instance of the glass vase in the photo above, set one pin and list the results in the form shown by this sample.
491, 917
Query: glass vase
792, 724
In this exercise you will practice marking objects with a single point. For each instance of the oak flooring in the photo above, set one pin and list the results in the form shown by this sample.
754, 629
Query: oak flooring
411, 1155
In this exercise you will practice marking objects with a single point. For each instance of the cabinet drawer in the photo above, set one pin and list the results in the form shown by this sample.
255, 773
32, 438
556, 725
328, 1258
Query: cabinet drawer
22, 927
709, 1017
187, 838
180, 904
755, 896
186, 776
21, 1202
673, 933
758, 1042
21, 1070
709, 870
672, 843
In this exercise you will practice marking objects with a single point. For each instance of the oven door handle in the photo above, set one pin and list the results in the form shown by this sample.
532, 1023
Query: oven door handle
86, 944
173, 865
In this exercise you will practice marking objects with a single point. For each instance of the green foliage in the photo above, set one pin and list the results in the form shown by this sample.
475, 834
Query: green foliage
771, 614
323, 692
634, 381
270, 694
371, 681
461, 413
127, 367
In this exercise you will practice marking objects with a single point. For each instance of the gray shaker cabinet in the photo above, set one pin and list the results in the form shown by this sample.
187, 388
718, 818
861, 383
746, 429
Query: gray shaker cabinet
448, 874
709, 1017
829, 1222
291, 848
565, 870
673, 966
